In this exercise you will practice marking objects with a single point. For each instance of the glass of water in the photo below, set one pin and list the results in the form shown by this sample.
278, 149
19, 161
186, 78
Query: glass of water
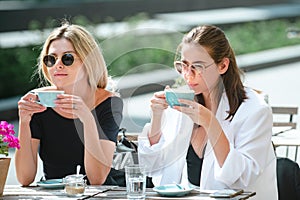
135, 181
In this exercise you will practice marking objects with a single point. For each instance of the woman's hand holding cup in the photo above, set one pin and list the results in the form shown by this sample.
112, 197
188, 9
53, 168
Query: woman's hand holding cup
28, 105
158, 103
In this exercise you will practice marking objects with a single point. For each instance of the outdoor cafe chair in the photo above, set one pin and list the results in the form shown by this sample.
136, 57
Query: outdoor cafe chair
284, 122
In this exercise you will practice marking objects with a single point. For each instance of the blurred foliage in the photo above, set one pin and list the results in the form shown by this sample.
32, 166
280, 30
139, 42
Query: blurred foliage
257, 36
51, 22
138, 50
17, 66
137, 18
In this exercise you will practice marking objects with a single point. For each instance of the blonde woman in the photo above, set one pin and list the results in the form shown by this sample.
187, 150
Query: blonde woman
82, 128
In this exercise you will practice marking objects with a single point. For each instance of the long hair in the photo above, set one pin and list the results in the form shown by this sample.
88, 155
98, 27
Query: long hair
215, 42
85, 47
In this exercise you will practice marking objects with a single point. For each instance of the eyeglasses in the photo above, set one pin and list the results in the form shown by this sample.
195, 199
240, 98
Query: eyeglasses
183, 67
67, 59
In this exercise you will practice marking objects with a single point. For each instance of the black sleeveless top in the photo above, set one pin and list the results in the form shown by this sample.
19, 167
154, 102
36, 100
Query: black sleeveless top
61, 139
194, 163
194, 166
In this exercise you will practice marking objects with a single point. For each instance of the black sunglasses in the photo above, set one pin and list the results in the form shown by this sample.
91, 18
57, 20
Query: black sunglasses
50, 60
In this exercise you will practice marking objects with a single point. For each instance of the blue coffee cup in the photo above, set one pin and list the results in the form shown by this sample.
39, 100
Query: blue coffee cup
47, 97
172, 96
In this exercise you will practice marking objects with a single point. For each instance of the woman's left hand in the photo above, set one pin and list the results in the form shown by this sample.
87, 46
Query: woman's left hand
197, 112
72, 104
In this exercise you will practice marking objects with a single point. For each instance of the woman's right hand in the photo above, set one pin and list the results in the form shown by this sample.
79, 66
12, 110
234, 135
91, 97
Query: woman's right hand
27, 107
158, 102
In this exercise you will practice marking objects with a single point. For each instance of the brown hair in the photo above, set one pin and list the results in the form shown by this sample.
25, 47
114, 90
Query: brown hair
215, 42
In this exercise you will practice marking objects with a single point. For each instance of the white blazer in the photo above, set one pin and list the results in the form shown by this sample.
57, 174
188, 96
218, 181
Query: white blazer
250, 164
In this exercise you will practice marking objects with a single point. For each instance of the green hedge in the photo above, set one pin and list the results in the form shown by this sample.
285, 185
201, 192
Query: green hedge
17, 66
258, 36
134, 52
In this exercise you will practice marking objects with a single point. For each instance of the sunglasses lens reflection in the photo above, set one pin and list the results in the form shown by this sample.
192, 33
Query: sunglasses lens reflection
67, 60
49, 61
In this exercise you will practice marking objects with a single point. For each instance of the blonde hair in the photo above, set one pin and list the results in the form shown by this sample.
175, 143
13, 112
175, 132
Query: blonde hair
85, 47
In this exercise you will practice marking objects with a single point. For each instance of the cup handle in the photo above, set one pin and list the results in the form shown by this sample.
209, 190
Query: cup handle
37, 97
